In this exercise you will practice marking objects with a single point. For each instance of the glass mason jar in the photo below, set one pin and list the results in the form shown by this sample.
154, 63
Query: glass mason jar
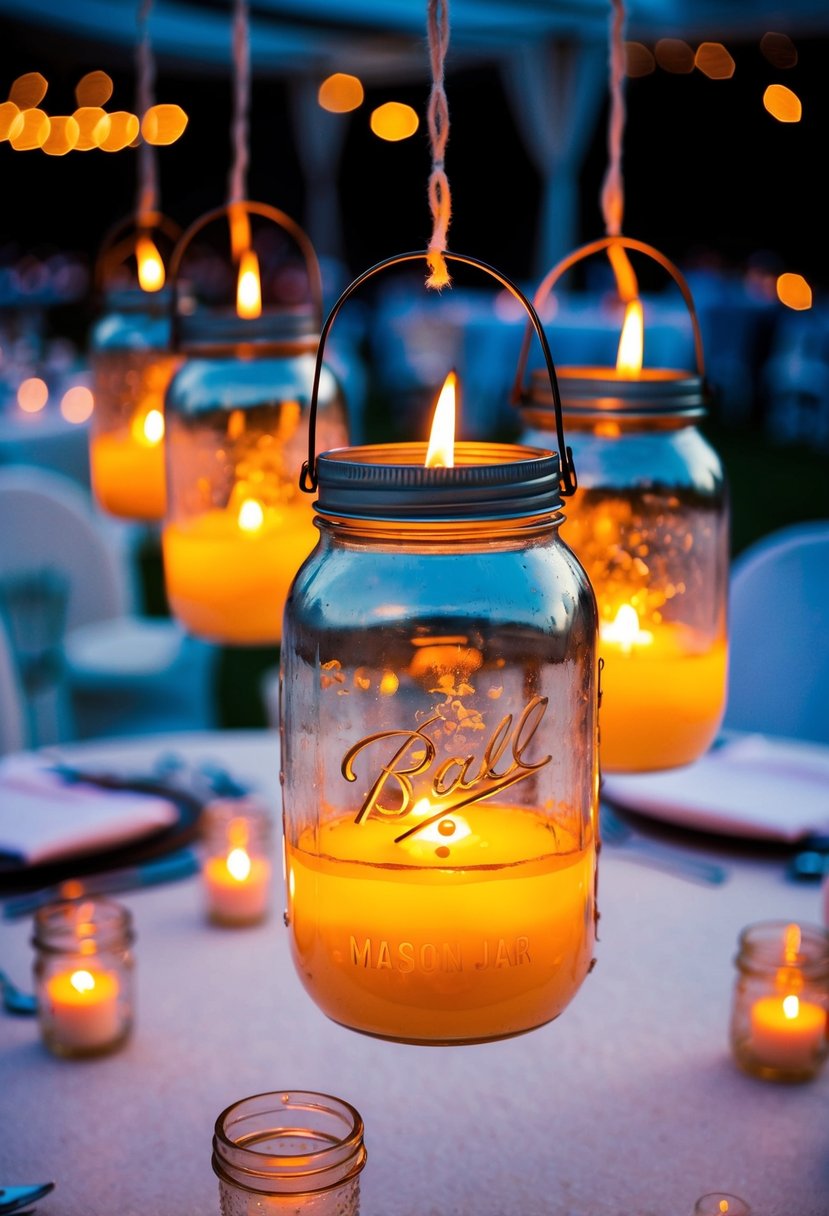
237, 526
83, 976
293, 1152
131, 363
780, 1008
237, 866
649, 522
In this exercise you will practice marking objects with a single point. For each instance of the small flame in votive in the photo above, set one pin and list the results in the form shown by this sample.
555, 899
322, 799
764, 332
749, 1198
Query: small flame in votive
441, 451
249, 287
624, 630
82, 981
723, 1205
154, 427
238, 864
251, 515
150, 266
791, 1007
632, 340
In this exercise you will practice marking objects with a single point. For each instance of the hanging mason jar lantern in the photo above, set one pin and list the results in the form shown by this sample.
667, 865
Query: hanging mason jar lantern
131, 365
438, 723
650, 524
238, 526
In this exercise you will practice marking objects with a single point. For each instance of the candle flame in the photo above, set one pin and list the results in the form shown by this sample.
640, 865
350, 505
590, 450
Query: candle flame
441, 451
632, 340
723, 1205
150, 266
238, 864
791, 947
154, 427
82, 981
624, 630
791, 1007
249, 287
251, 515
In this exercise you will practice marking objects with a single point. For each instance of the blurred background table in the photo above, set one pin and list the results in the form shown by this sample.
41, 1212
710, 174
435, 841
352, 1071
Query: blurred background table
629, 1104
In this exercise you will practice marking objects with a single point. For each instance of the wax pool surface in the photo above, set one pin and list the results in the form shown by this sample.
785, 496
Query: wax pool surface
233, 900
128, 477
786, 1042
229, 585
84, 1018
489, 941
662, 703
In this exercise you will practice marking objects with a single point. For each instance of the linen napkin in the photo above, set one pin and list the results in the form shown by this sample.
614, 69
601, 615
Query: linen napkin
754, 786
44, 818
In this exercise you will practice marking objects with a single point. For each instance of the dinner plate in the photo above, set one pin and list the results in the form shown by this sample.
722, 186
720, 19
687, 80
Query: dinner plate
752, 786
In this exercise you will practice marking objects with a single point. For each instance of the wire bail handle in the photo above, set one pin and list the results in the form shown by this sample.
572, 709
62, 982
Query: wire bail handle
586, 251
280, 218
308, 478
114, 251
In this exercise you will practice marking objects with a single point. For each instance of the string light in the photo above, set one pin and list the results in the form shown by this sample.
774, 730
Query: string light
340, 93
394, 121
782, 103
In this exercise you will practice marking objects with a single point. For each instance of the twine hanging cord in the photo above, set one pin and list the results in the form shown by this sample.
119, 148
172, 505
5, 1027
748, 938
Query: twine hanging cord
440, 198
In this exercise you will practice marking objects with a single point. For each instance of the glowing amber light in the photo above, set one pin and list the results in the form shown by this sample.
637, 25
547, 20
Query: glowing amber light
632, 340
83, 1008
123, 128
29, 130
787, 1032
249, 287
93, 89
782, 103
32, 395
440, 453
779, 50
151, 429
251, 516
9, 113
340, 93
237, 886
238, 864
714, 61
77, 404
149, 263
29, 90
624, 630
63, 135
93, 127
639, 61
674, 55
394, 121
794, 292
163, 124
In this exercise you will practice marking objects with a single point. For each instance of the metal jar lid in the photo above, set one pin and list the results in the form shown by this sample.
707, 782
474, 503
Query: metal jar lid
597, 392
220, 331
389, 482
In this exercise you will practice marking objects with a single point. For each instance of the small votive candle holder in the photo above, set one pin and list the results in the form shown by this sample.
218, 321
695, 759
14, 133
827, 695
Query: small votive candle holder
84, 976
718, 1203
237, 869
292, 1151
780, 1003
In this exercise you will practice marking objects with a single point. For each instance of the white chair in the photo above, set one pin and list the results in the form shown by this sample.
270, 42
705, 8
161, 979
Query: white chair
779, 628
121, 672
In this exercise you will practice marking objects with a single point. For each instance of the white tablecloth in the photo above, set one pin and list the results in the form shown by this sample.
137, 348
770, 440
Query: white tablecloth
628, 1105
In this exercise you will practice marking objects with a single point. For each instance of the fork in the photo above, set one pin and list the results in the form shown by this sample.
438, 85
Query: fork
616, 832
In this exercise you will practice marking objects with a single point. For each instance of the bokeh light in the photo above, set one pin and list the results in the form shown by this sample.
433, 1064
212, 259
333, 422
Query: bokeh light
639, 61
163, 124
714, 61
63, 135
28, 91
77, 404
674, 55
8, 113
394, 121
794, 291
779, 49
93, 127
93, 89
782, 103
340, 93
29, 130
123, 128
32, 395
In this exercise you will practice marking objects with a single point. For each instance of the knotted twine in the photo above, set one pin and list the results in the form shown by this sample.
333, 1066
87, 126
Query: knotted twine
613, 193
440, 199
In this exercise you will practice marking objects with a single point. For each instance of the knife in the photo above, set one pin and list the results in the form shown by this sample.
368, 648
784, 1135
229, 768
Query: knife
181, 864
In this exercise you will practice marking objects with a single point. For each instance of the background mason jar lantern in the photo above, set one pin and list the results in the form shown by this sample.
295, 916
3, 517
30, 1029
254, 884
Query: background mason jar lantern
438, 725
132, 365
650, 523
780, 1009
83, 976
238, 526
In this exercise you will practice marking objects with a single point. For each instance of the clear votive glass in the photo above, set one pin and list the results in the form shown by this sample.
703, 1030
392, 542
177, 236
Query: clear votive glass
83, 976
292, 1151
718, 1203
781, 999
237, 867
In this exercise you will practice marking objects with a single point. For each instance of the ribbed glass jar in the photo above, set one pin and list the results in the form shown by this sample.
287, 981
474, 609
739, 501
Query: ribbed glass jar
83, 976
438, 722
292, 1152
